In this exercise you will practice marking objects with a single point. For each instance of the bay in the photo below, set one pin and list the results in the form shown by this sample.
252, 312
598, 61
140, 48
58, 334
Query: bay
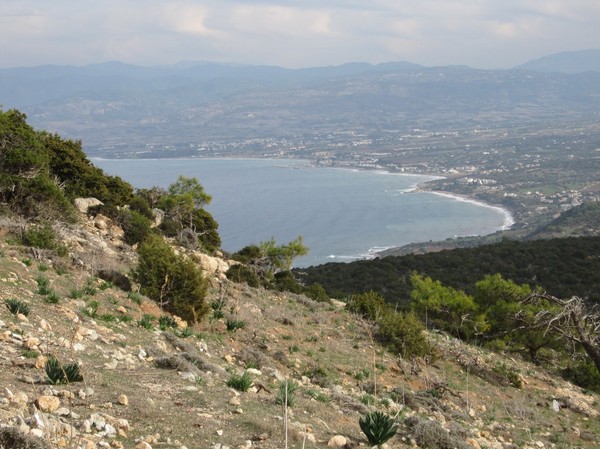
342, 214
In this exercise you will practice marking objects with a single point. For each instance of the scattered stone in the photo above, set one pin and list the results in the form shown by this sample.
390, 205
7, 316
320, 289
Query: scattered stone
47, 404
31, 342
555, 405
219, 432
235, 401
254, 372
337, 441
123, 400
473, 442
143, 445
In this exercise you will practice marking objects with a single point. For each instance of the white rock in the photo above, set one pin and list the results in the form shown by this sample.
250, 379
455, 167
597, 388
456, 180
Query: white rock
219, 432
337, 441
37, 432
83, 204
555, 405
254, 371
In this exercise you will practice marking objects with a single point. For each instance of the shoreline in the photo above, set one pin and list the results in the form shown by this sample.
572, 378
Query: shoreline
419, 186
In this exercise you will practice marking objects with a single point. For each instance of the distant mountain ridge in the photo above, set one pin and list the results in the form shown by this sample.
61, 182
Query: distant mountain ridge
566, 62
114, 103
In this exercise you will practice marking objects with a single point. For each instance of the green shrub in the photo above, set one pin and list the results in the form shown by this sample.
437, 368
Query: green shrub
43, 285
52, 297
172, 280
510, 375
185, 332
316, 292
30, 354
585, 374
146, 322
76, 293
166, 322
136, 227
404, 333
234, 324
90, 287
240, 383
15, 307
135, 297
377, 427
243, 274
140, 205
91, 309
284, 281
369, 305
62, 374
105, 285
40, 236
287, 393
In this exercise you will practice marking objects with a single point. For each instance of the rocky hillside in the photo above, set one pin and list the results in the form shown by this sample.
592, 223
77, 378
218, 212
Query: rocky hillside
148, 381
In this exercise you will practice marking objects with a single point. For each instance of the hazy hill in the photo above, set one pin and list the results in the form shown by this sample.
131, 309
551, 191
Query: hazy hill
113, 103
566, 62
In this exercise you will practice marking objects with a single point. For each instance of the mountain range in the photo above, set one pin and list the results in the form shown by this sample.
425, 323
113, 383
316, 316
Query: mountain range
113, 103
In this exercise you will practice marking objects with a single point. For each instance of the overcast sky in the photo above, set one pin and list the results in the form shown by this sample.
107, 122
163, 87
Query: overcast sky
301, 33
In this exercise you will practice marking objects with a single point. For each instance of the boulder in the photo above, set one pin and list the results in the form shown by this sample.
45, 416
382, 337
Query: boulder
83, 204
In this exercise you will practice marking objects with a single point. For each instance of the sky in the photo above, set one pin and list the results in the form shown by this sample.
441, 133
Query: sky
485, 34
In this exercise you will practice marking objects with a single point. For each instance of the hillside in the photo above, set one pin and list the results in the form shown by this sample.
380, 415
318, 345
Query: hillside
561, 266
146, 387
121, 327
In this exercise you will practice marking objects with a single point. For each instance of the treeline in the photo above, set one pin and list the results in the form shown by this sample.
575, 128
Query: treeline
562, 267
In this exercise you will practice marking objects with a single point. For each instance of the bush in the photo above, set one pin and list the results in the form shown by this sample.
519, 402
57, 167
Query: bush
284, 281
172, 280
377, 427
240, 383
43, 236
431, 435
140, 205
136, 227
404, 333
233, 324
15, 307
585, 374
242, 273
43, 285
116, 278
62, 374
316, 292
287, 393
369, 305
166, 322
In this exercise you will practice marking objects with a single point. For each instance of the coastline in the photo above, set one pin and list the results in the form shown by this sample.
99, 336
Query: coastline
419, 184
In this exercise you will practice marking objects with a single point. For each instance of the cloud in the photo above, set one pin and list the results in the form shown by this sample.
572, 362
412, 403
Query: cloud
294, 33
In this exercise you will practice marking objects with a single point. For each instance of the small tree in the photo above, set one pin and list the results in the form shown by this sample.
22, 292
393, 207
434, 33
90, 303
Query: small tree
172, 280
446, 308
573, 320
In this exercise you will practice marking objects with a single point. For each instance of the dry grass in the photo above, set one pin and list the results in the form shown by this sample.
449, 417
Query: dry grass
285, 334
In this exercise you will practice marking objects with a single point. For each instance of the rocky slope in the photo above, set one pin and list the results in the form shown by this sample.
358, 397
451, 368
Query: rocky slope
150, 382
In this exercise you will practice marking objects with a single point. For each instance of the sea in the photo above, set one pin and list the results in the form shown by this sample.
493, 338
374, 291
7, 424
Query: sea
342, 214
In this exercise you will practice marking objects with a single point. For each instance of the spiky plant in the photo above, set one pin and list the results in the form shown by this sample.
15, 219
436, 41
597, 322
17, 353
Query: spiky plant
287, 393
15, 307
377, 427
240, 383
62, 374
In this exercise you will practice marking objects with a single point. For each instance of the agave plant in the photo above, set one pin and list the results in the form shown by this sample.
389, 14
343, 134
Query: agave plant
377, 427
15, 307
62, 374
